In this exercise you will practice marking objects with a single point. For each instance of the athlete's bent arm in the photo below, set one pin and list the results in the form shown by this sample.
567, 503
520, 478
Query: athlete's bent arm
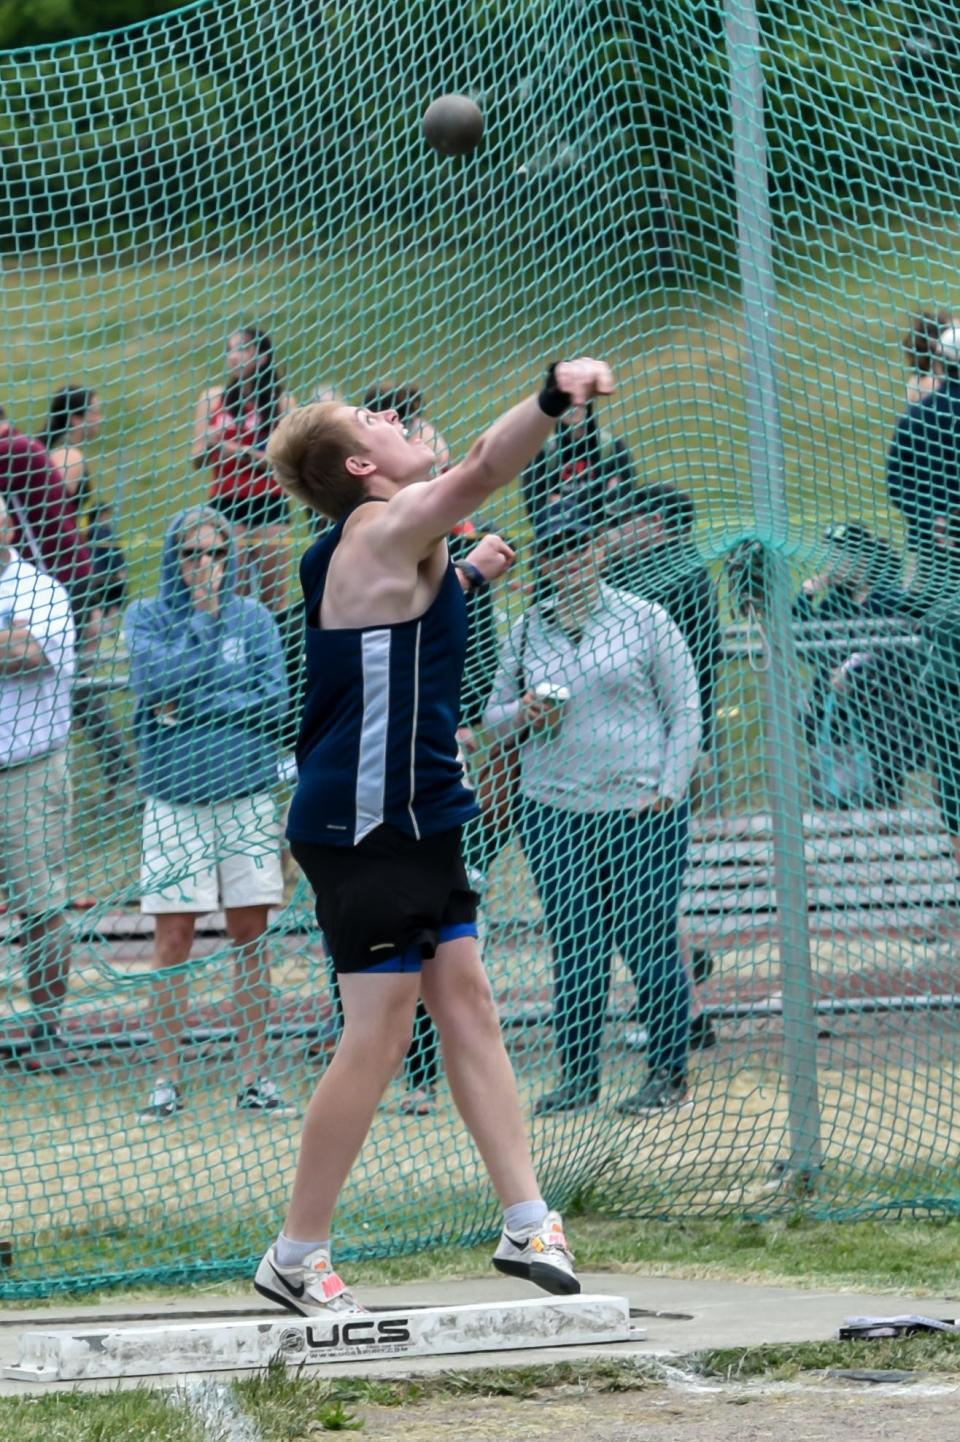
422, 514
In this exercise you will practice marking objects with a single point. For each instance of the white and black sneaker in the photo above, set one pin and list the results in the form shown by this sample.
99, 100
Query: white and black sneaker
312, 1288
165, 1101
265, 1098
542, 1257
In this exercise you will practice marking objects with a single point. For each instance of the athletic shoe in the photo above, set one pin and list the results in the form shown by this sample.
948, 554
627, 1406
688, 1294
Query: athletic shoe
264, 1097
568, 1097
542, 1257
702, 1035
663, 1091
313, 1288
165, 1101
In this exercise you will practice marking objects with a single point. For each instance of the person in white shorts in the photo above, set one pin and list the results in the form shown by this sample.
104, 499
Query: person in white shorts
207, 670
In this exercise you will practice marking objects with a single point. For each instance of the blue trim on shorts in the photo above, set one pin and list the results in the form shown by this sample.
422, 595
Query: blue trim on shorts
412, 959
403, 961
457, 929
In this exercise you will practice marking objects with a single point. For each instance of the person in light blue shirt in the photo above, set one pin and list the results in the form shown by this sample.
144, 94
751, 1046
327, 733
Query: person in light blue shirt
207, 669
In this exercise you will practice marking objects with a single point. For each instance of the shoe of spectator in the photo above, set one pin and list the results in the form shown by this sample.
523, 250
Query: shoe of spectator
702, 1033
46, 1052
569, 1096
663, 1091
701, 965
264, 1096
165, 1101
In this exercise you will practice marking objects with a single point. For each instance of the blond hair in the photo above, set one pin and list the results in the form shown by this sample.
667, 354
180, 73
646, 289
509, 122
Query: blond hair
309, 451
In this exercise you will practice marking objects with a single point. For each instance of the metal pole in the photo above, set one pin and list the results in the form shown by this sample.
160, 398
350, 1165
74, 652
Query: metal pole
755, 248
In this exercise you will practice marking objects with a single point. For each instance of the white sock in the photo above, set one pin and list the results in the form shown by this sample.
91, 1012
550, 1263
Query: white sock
524, 1217
291, 1253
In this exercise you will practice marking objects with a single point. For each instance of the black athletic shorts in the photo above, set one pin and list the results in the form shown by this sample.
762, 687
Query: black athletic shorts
387, 904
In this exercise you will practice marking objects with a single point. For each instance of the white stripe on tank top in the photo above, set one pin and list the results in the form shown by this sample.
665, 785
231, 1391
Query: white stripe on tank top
372, 754
413, 731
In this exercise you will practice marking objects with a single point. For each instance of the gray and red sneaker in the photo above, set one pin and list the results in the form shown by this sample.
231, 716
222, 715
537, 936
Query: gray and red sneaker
541, 1257
312, 1288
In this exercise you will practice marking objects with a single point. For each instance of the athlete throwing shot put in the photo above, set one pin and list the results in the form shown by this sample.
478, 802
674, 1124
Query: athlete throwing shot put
376, 819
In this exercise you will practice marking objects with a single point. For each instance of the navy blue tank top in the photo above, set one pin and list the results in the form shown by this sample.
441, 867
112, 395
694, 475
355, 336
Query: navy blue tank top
377, 741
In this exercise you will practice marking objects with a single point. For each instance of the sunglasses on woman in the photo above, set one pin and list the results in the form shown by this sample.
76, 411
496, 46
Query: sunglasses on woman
194, 553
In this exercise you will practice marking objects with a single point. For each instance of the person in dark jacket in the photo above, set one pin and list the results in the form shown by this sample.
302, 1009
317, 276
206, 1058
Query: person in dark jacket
936, 611
653, 555
207, 670
923, 464
865, 688
109, 561
580, 464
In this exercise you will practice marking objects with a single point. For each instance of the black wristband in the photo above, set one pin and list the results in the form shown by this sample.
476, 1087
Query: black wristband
473, 574
552, 400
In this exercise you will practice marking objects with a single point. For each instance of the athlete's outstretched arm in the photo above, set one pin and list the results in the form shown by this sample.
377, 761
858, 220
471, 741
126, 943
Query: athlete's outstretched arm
418, 516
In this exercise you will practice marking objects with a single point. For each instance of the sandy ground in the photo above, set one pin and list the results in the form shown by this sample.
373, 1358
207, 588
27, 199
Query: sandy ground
826, 1412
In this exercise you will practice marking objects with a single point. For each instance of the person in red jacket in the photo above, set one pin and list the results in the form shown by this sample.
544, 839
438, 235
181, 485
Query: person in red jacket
44, 515
232, 423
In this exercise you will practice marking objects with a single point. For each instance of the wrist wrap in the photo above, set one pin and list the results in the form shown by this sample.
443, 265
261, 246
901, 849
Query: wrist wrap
552, 400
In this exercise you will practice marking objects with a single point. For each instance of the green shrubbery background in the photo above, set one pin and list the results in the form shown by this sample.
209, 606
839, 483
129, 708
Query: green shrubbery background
136, 132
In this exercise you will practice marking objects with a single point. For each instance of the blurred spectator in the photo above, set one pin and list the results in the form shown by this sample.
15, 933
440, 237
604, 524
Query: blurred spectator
109, 562
232, 425
36, 671
207, 670
602, 688
860, 579
923, 464
44, 516
862, 744
653, 555
407, 400
919, 347
938, 686
579, 463
74, 419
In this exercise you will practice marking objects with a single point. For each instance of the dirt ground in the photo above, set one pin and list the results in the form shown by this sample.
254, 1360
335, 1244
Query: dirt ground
824, 1412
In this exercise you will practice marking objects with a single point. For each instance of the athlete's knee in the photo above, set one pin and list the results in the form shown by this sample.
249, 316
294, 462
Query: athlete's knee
384, 1039
468, 1008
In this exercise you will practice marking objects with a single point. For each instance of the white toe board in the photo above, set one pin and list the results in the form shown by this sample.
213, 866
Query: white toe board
136, 1350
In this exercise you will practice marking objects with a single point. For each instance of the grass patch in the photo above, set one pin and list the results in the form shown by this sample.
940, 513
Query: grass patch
287, 1406
139, 1415
917, 1256
936, 1352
